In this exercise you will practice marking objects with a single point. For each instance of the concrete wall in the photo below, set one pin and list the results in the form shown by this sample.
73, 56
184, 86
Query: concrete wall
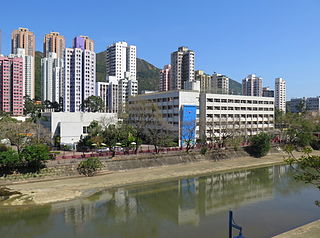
69, 125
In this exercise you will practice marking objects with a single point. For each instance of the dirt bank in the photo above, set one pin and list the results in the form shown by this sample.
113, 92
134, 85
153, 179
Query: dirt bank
43, 192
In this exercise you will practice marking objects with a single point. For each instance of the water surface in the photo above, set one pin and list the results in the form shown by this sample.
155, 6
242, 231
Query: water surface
266, 201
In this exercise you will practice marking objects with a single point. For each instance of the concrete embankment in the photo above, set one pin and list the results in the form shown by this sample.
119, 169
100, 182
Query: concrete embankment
311, 230
42, 192
62, 169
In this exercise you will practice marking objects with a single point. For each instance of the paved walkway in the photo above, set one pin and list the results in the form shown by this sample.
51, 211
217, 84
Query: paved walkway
311, 230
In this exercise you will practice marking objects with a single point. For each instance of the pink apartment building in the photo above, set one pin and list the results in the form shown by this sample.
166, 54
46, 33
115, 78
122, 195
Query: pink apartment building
11, 85
165, 78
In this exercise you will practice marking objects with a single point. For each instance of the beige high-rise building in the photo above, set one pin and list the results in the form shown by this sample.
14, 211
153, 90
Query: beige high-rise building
54, 43
220, 84
205, 80
88, 43
182, 67
25, 39
23, 45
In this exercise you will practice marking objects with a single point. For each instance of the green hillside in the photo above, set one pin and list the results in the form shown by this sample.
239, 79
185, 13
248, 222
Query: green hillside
147, 74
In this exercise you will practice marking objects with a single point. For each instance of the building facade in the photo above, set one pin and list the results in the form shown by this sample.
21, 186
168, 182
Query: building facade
234, 115
165, 78
121, 58
297, 105
51, 77
11, 85
54, 43
204, 79
70, 126
79, 75
182, 67
267, 92
214, 115
252, 86
23, 45
280, 94
127, 87
220, 84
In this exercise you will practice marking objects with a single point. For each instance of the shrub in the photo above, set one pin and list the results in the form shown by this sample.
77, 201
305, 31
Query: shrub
260, 144
34, 157
89, 167
9, 161
203, 150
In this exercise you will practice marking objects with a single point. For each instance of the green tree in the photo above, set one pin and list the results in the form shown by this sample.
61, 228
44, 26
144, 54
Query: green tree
260, 144
35, 156
89, 167
9, 161
146, 119
32, 108
93, 104
307, 166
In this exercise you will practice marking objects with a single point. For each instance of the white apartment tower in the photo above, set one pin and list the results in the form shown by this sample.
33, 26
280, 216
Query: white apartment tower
51, 77
108, 91
127, 87
80, 74
121, 68
121, 58
252, 86
182, 67
280, 94
165, 75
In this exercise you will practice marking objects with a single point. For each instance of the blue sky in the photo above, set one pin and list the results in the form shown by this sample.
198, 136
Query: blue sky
271, 38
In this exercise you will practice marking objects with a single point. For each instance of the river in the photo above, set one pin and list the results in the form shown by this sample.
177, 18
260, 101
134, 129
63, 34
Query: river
265, 201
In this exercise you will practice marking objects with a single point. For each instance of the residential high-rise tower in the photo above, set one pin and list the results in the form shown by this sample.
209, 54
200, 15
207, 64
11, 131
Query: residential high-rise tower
121, 58
165, 78
79, 74
121, 68
23, 45
182, 67
280, 94
220, 84
252, 86
54, 43
11, 85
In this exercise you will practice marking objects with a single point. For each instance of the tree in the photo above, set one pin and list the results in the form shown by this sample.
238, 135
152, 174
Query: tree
89, 167
260, 144
34, 156
111, 137
188, 134
146, 118
9, 161
18, 133
93, 104
307, 166
32, 108
21, 134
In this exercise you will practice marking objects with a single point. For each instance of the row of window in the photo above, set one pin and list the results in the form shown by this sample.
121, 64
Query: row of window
241, 108
238, 101
238, 115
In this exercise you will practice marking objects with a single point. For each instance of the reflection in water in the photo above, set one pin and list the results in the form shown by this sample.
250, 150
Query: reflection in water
158, 210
